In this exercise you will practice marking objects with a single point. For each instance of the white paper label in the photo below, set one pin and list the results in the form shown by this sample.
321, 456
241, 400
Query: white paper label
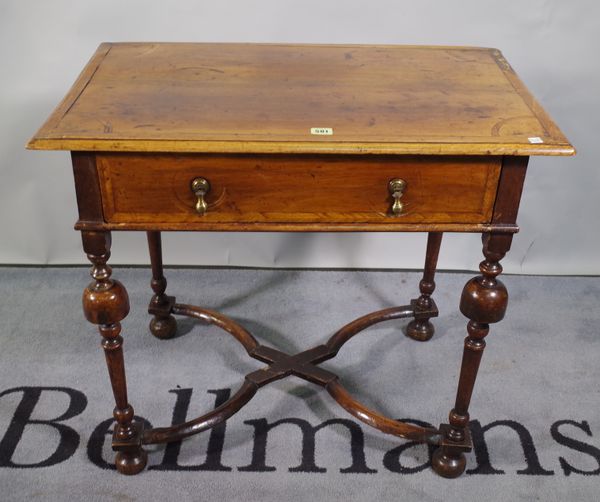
536, 140
323, 131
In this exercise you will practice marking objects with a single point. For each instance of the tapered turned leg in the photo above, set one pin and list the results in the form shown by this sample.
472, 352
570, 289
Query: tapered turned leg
483, 301
422, 329
105, 303
163, 325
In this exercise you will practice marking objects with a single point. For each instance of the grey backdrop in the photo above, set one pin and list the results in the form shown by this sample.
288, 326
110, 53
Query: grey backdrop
553, 45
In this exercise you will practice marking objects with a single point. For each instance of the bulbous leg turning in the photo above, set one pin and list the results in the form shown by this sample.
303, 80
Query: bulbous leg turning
163, 325
483, 301
422, 329
106, 303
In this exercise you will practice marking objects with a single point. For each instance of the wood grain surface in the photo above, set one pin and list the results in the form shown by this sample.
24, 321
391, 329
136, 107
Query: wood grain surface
155, 188
266, 98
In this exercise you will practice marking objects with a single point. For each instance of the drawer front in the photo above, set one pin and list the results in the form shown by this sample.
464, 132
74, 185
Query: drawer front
149, 188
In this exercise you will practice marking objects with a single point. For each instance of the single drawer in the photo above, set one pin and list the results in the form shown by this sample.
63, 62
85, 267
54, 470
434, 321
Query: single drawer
157, 188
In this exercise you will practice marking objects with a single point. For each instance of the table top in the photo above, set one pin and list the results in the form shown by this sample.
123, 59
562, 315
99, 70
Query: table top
275, 98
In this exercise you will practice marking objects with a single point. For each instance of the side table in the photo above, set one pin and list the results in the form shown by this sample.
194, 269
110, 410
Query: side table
296, 138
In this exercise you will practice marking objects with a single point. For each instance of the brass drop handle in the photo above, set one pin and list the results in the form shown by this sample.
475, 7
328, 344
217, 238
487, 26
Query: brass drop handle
396, 188
200, 187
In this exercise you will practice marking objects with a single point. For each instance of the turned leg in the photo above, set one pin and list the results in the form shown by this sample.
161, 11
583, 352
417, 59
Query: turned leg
163, 325
422, 329
105, 303
483, 301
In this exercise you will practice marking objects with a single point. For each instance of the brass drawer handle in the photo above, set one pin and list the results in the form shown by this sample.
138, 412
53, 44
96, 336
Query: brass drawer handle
396, 188
200, 187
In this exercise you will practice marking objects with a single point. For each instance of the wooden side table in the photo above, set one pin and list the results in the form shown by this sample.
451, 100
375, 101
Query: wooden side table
230, 137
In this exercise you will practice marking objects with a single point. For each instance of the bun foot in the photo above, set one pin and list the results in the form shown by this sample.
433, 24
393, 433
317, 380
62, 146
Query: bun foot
420, 330
130, 463
446, 465
163, 328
